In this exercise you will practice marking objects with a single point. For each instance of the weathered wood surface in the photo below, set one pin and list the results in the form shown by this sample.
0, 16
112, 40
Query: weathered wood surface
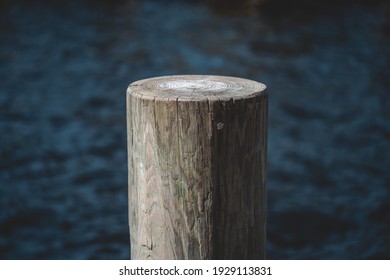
197, 149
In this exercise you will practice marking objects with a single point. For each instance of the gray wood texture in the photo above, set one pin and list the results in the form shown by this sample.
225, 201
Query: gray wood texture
197, 148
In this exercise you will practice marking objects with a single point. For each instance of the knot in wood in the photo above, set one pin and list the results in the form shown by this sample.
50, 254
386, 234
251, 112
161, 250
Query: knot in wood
220, 126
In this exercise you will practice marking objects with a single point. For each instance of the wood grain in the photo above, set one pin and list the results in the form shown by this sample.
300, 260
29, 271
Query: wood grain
197, 148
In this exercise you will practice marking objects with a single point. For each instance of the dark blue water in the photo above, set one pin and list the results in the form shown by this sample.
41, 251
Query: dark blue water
65, 66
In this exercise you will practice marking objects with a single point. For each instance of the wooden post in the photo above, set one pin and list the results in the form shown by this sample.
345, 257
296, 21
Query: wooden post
197, 148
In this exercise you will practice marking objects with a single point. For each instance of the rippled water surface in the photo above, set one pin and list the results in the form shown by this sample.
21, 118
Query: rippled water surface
65, 66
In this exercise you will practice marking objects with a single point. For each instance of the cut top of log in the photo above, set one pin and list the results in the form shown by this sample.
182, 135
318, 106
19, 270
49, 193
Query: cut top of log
196, 88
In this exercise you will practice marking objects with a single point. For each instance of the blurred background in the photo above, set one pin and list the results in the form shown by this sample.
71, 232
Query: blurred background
65, 67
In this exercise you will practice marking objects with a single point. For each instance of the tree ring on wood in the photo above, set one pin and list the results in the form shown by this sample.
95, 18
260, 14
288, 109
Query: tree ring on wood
196, 88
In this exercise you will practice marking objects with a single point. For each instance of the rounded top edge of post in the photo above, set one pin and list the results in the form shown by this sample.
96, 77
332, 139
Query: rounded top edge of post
196, 87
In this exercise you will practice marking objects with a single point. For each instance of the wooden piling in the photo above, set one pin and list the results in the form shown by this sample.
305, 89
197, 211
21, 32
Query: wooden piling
197, 148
